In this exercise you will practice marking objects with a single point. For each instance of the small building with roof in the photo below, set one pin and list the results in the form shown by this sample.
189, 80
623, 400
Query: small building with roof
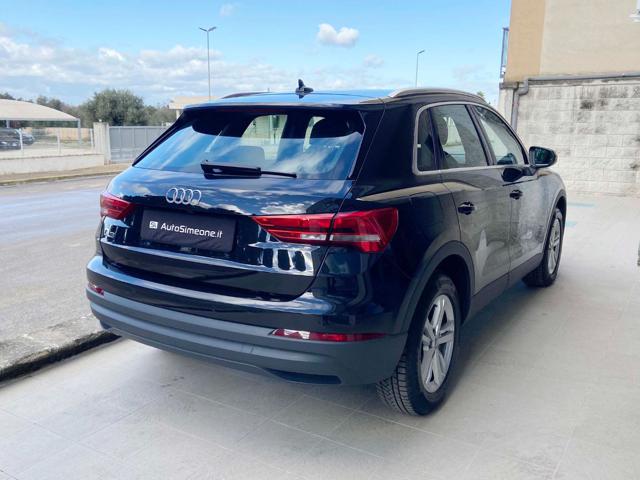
18, 110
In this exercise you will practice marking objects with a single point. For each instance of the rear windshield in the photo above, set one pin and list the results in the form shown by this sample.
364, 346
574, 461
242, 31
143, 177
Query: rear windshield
317, 144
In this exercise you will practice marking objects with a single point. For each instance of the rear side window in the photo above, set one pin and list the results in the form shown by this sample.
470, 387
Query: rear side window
505, 146
425, 148
461, 146
311, 143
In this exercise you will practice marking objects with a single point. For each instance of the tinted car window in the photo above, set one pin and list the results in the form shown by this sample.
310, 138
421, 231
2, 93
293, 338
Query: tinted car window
305, 142
425, 147
265, 132
505, 147
461, 146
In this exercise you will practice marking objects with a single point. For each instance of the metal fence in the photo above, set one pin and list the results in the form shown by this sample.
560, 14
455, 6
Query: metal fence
44, 142
126, 143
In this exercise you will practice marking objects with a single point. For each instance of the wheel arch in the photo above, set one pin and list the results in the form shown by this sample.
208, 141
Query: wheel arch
455, 267
452, 259
561, 203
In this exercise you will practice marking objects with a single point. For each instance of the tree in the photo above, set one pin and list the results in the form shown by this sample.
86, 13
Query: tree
54, 103
160, 115
115, 107
481, 94
58, 104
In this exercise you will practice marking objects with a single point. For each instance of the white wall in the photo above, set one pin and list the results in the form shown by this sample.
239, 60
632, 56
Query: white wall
594, 127
53, 163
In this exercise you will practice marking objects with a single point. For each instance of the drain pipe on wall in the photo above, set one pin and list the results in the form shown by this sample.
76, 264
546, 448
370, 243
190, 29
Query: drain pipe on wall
519, 92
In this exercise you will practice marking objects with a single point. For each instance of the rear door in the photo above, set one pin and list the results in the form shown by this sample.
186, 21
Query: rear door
195, 230
529, 201
477, 188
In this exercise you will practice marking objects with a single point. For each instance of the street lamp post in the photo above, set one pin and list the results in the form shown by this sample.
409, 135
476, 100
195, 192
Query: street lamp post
417, 59
207, 30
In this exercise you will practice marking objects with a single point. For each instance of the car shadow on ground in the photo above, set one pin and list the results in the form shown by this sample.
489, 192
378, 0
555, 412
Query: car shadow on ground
477, 335
480, 331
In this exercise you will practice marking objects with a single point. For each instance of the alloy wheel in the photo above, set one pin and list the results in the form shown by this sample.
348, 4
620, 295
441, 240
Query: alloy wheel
437, 343
554, 246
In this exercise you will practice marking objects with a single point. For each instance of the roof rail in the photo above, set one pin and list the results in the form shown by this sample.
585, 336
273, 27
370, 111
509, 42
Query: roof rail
408, 92
241, 94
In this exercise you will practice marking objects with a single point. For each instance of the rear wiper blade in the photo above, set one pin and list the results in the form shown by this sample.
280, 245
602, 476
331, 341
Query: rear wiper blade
221, 169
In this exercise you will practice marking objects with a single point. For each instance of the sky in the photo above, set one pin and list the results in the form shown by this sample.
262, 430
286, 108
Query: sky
70, 49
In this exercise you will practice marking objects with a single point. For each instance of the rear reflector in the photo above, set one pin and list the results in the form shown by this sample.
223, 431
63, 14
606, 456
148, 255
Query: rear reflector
369, 230
325, 337
114, 207
94, 288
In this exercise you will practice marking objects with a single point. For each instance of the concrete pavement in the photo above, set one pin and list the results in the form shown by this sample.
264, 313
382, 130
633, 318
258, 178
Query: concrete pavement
547, 387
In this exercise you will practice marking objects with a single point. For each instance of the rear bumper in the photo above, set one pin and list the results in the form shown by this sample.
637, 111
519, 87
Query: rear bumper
248, 347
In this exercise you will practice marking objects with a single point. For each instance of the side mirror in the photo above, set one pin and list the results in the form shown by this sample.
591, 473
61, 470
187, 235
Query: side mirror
540, 157
508, 159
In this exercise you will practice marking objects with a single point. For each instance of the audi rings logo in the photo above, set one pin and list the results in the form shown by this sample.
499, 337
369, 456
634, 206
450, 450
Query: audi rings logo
183, 196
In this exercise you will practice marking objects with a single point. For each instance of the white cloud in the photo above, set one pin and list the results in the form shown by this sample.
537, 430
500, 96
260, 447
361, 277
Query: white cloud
345, 37
474, 78
465, 73
373, 61
227, 9
110, 54
32, 66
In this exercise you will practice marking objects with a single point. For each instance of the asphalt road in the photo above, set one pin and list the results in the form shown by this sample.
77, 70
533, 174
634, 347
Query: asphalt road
46, 238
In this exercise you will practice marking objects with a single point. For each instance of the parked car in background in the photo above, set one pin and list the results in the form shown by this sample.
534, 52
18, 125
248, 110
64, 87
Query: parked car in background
27, 138
9, 139
334, 238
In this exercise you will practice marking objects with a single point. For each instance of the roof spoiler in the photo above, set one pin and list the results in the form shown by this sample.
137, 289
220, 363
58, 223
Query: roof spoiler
241, 94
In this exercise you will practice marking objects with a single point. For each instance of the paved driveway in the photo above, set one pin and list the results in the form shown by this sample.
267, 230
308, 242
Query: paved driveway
548, 387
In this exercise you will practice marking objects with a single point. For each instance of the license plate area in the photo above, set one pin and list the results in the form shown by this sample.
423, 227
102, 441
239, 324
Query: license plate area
202, 232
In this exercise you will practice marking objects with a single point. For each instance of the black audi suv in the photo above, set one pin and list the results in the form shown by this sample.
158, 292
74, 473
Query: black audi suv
326, 237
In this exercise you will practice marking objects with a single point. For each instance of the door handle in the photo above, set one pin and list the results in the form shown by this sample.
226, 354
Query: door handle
467, 208
516, 194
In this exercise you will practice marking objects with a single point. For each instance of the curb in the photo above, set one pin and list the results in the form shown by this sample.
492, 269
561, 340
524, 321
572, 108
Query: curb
61, 176
36, 360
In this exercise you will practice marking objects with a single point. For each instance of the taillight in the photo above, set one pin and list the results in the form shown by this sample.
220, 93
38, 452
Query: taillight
325, 337
114, 207
369, 230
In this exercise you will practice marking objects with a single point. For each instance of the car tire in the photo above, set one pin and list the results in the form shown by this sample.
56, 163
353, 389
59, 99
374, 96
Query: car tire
420, 380
545, 274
